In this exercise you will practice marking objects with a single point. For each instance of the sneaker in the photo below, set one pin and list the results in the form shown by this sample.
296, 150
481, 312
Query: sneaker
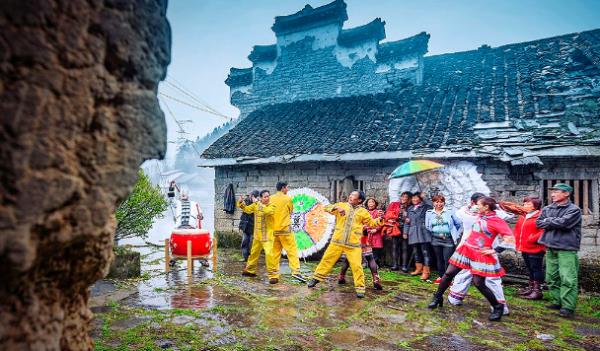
566, 313
360, 295
299, 277
553, 306
437, 281
377, 286
273, 281
342, 281
245, 273
312, 283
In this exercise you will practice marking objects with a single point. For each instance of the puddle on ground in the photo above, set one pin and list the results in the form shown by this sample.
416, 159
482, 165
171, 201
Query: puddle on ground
357, 338
216, 302
447, 342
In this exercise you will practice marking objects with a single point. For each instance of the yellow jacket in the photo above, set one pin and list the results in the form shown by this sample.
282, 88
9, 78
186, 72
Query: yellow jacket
283, 213
349, 227
263, 219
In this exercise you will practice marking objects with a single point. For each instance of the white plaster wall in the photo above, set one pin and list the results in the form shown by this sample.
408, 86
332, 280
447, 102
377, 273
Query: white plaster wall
406, 64
267, 66
325, 36
347, 57
246, 89
383, 68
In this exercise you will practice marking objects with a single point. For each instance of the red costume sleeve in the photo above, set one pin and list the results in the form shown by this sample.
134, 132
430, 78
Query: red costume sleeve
500, 227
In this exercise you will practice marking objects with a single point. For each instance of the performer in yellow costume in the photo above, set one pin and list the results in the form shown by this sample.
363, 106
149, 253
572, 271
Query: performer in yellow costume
263, 212
283, 236
350, 218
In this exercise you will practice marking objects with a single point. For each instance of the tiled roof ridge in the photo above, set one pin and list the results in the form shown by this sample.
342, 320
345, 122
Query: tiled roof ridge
263, 53
309, 17
517, 44
374, 30
542, 93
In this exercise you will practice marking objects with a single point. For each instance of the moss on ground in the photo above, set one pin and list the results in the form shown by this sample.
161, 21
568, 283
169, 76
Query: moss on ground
252, 315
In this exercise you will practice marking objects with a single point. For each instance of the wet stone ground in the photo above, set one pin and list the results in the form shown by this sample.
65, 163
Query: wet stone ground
217, 309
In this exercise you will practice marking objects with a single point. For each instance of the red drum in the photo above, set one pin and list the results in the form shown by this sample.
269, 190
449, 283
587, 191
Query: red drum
200, 238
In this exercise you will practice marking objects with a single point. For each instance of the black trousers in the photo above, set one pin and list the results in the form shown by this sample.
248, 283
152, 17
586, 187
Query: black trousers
442, 255
246, 245
400, 251
422, 253
478, 281
535, 265
370, 259
379, 256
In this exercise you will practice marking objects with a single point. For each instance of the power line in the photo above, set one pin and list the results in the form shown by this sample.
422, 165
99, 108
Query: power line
190, 94
181, 130
194, 106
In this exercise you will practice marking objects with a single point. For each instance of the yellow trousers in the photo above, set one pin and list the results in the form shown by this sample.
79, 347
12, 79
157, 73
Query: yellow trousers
354, 257
287, 242
257, 247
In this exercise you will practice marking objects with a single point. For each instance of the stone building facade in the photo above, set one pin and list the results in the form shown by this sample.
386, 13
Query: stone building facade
525, 115
314, 57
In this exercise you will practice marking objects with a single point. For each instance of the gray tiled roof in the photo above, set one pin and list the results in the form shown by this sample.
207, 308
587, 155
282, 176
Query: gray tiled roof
308, 17
374, 30
544, 91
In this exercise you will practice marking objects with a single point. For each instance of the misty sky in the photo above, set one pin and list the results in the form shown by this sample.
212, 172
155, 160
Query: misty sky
210, 36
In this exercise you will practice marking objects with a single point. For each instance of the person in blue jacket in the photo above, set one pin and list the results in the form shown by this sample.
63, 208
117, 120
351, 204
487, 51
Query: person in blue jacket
444, 228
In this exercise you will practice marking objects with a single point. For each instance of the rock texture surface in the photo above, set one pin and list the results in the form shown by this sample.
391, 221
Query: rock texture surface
79, 113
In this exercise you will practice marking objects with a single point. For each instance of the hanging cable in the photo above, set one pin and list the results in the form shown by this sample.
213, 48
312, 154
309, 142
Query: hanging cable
181, 130
187, 92
194, 106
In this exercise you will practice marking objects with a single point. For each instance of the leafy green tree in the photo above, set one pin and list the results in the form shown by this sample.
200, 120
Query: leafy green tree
136, 214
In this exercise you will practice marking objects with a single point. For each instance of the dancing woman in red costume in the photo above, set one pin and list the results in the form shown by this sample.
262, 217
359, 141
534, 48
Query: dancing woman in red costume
477, 255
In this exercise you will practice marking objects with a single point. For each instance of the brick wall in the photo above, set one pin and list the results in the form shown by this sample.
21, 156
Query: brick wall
302, 72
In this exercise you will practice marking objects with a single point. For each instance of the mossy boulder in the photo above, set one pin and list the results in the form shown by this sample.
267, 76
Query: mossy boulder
229, 239
127, 264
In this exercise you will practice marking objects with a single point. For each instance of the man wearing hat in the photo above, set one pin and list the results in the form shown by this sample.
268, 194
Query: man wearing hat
561, 222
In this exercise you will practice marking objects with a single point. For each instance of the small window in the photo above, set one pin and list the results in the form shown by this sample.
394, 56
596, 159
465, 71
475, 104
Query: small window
583, 195
340, 189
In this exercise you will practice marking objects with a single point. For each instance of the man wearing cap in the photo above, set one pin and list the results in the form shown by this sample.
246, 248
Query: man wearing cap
561, 222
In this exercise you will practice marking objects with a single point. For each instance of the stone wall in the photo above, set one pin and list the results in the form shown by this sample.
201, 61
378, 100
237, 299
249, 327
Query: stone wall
304, 70
79, 114
505, 183
312, 64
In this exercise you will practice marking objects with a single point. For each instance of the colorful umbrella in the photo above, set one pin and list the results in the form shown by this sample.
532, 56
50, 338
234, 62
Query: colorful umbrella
414, 167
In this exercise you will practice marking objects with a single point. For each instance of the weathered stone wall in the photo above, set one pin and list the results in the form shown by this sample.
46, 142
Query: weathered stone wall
79, 114
505, 182
303, 72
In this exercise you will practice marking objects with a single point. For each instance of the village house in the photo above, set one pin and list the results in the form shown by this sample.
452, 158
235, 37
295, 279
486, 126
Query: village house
332, 108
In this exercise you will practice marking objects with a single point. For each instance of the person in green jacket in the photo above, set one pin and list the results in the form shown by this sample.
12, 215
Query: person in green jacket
561, 222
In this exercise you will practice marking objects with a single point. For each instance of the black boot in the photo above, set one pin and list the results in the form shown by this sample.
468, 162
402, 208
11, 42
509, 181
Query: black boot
497, 311
404, 258
438, 300
312, 283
